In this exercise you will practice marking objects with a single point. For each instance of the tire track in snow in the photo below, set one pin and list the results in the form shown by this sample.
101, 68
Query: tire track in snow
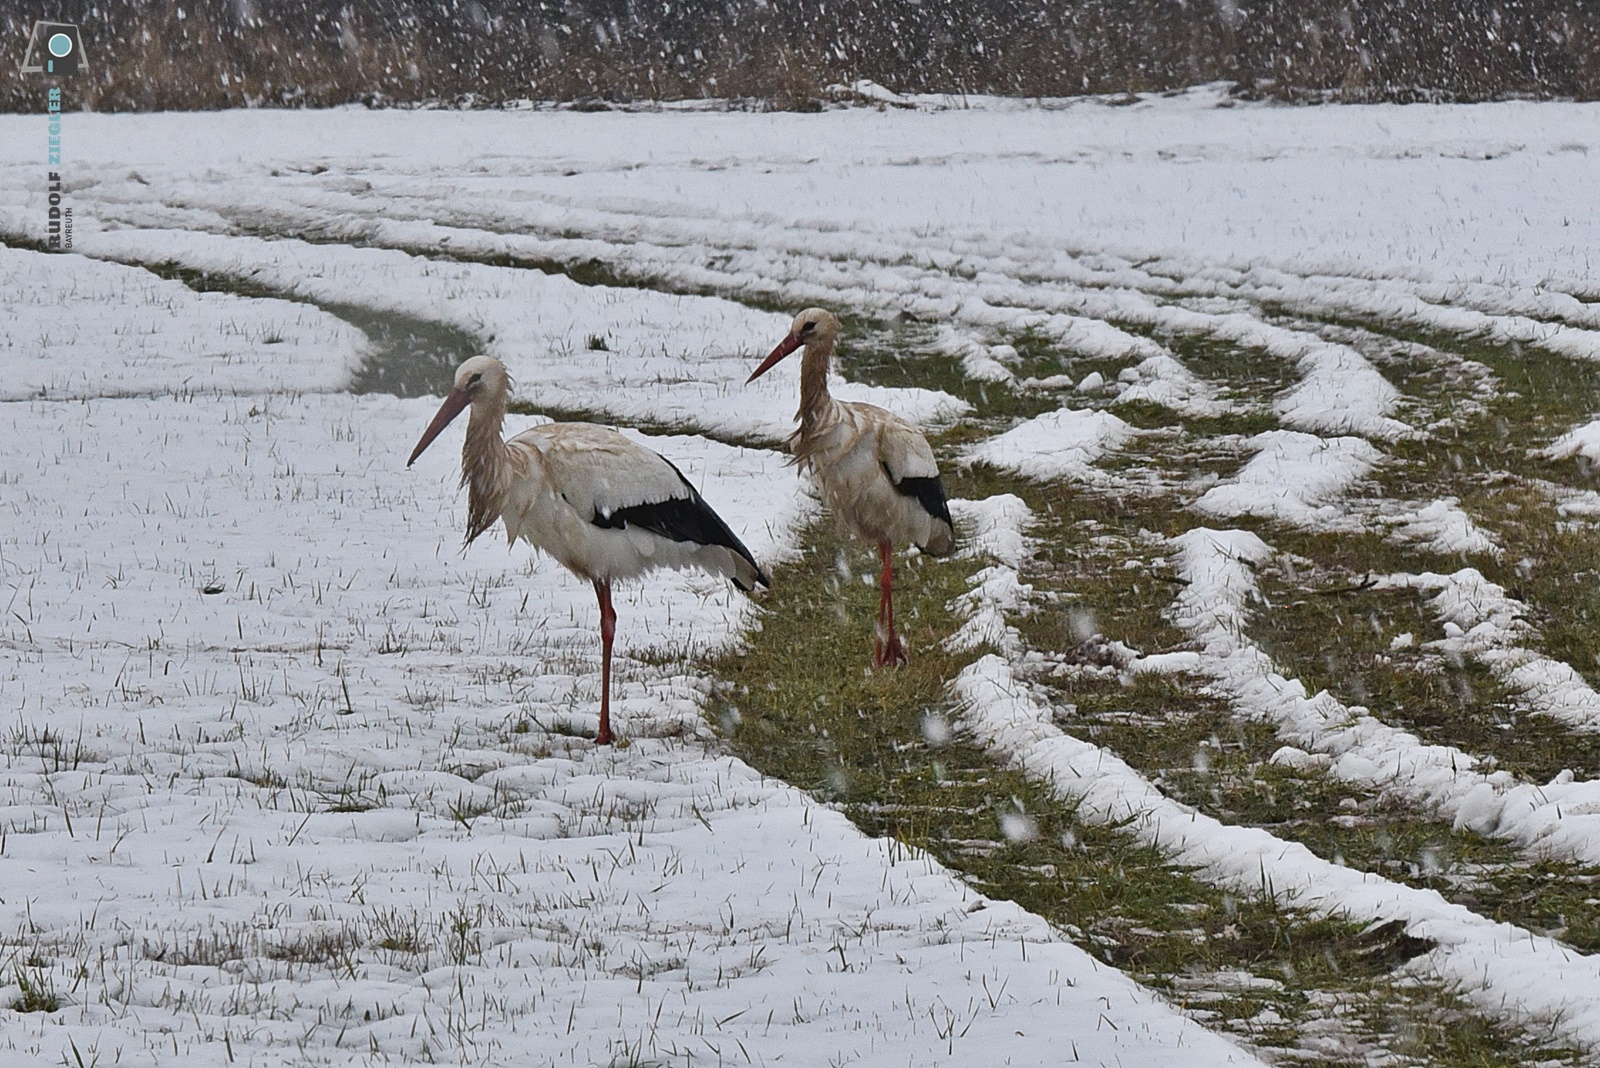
1560, 818
1485, 623
1300, 479
1504, 970
1339, 391
1304, 405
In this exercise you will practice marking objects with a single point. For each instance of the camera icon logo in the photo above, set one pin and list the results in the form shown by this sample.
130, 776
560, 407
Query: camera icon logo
53, 48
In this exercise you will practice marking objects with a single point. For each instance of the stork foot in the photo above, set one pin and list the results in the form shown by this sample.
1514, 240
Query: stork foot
604, 736
890, 653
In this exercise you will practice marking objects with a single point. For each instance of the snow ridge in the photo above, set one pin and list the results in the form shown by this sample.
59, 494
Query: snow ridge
1559, 818
1499, 967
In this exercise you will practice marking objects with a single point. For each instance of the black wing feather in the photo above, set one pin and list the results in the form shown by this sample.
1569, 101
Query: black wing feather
687, 518
928, 492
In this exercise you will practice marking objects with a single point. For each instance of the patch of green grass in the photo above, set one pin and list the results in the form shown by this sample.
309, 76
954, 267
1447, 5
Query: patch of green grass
1168, 725
1164, 726
798, 704
1480, 456
26, 243
1200, 754
1248, 375
1040, 356
809, 703
1195, 445
1423, 1024
1539, 396
212, 282
418, 357
37, 992
1146, 415
586, 271
1096, 553
896, 354
1344, 644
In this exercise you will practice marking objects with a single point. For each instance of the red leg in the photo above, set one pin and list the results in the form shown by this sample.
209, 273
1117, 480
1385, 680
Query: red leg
886, 646
608, 631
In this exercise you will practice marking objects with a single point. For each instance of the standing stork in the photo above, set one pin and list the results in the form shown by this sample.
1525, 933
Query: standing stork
604, 507
877, 474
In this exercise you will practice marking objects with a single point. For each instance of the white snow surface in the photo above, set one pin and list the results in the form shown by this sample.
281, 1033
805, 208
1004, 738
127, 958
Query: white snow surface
1237, 186
1082, 223
283, 762
1581, 441
1440, 525
298, 778
1341, 393
1296, 479
1063, 444
1101, 229
994, 527
78, 328
1162, 380
673, 360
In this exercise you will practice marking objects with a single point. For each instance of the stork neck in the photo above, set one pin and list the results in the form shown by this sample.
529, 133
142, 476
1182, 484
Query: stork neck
485, 463
484, 448
816, 404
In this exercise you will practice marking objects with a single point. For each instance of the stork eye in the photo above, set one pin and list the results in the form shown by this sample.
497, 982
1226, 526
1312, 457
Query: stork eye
806, 329
474, 379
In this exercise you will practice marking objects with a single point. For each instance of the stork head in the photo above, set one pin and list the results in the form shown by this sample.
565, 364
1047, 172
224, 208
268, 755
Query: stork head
814, 326
479, 378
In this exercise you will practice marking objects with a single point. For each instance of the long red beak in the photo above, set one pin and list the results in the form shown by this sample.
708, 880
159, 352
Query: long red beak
453, 406
786, 346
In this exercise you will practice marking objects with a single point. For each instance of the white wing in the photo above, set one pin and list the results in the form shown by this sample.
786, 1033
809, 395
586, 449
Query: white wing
599, 471
634, 510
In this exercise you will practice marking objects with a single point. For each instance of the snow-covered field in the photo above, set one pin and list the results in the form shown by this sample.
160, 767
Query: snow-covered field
288, 778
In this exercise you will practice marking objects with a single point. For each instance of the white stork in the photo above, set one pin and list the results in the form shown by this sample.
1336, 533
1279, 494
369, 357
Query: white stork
604, 507
877, 474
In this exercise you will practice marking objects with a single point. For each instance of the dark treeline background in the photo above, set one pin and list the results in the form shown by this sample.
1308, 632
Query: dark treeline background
161, 54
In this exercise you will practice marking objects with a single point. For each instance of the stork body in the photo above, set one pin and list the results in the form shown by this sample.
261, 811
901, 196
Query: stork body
604, 507
876, 472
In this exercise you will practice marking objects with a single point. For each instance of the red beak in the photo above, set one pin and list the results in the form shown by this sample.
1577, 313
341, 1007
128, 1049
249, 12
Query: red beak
453, 406
786, 346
